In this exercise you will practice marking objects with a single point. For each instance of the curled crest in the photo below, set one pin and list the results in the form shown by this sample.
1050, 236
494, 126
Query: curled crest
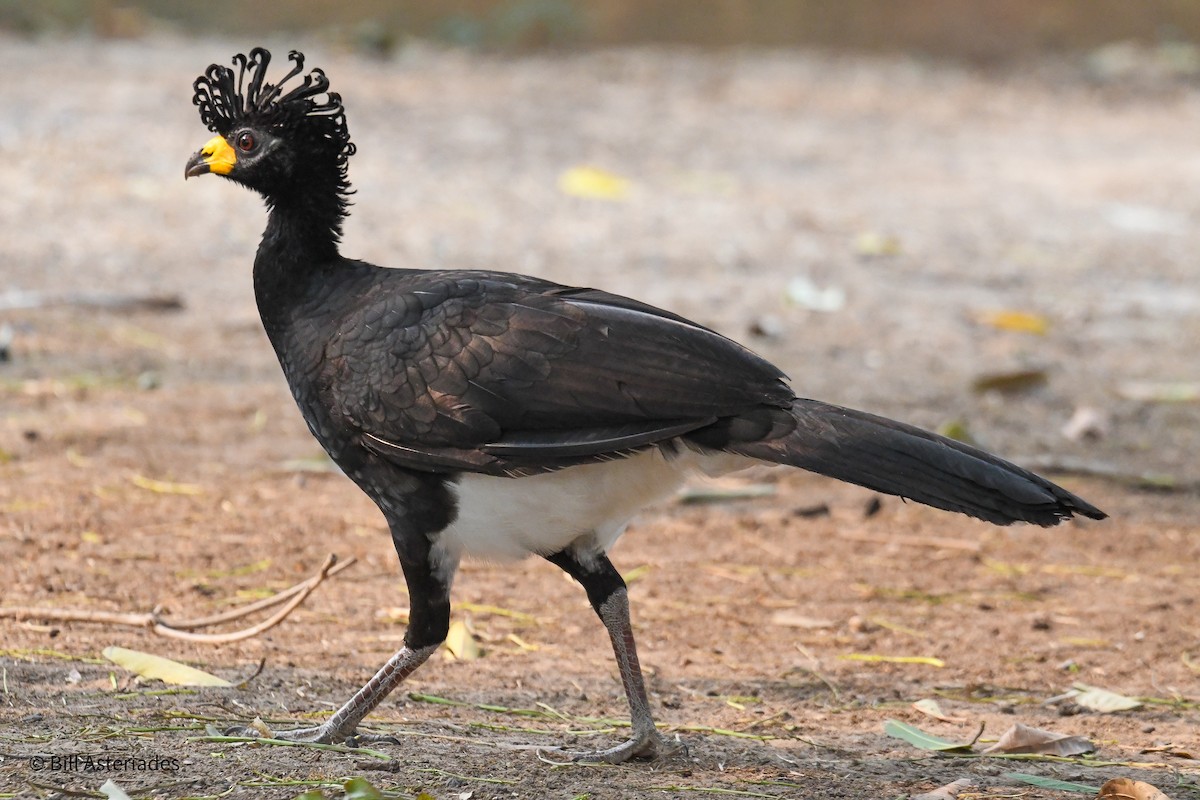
227, 99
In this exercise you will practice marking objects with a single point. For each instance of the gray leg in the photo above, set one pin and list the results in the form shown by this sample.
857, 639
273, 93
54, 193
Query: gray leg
429, 620
607, 593
342, 725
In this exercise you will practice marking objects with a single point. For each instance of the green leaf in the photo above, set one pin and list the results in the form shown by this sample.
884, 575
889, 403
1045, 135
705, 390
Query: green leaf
1050, 783
921, 739
361, 789
311, 794
697, 495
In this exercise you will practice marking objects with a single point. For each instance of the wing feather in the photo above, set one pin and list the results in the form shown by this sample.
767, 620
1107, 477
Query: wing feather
505, 374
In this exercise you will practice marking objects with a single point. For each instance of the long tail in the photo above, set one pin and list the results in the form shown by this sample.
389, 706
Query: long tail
898, 459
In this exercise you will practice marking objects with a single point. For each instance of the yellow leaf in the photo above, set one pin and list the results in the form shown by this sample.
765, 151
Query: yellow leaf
637, 573
927, 660
163, 669
957, 430
76, 459
481, 608
165, 487
1158, 392
460, 644
521, 643
594, 183
91, 537
394, 614
1018, 321
1086, 641
874, 243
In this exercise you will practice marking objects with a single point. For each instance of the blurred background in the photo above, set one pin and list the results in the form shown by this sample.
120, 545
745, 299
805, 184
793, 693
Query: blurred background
988, 30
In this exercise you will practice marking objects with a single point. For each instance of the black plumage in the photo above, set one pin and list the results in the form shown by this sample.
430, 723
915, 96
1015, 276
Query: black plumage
504, 415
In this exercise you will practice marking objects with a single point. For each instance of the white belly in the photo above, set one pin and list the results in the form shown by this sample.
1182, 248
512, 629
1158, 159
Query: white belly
510, 518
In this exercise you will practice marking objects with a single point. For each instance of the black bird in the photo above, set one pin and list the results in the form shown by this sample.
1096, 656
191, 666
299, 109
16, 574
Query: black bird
502, 415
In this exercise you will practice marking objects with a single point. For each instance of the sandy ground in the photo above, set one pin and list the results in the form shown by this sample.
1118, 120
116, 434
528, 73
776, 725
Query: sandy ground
921, 197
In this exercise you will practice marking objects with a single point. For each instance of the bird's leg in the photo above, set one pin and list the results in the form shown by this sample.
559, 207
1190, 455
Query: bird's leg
429, 620
609, 597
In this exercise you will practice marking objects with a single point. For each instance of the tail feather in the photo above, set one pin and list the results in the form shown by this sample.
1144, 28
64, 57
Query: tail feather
898, 459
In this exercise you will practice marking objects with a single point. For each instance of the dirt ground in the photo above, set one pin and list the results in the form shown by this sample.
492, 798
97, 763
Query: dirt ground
925, 194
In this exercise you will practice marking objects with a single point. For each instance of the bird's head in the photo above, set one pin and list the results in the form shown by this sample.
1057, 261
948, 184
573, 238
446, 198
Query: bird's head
270, 137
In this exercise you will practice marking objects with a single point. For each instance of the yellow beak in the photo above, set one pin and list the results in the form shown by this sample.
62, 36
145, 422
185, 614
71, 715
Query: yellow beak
216, 156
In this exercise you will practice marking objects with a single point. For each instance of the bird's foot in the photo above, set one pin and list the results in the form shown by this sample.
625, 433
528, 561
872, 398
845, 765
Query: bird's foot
316, 734
646, 746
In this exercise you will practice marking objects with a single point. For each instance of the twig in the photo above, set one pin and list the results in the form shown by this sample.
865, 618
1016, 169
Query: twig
265, 603
183, 629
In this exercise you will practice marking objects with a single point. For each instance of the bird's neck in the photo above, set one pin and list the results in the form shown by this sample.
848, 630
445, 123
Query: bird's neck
299, 244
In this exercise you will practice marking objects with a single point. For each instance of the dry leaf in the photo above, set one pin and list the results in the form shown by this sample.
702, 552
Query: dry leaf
1087, 423
1126, 789
113, 792
594, 183
802, 292
930, 708
163, 669
1093, 698
1170, 750
948, 792
791, 619
926, 660
1017, 380
1024, 739
460, 644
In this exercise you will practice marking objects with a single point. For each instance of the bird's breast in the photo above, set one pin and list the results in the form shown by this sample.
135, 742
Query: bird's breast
510, 518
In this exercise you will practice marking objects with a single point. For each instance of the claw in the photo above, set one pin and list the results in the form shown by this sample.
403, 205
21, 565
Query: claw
647, 746
357, 739
258, 730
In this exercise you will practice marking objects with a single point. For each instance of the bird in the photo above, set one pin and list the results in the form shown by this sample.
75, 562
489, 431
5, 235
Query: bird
501, 416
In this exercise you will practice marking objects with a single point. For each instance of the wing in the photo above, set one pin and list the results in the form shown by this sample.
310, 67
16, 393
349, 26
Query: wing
503, 374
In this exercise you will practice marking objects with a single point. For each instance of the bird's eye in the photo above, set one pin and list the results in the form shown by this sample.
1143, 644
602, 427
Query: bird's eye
246, 141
